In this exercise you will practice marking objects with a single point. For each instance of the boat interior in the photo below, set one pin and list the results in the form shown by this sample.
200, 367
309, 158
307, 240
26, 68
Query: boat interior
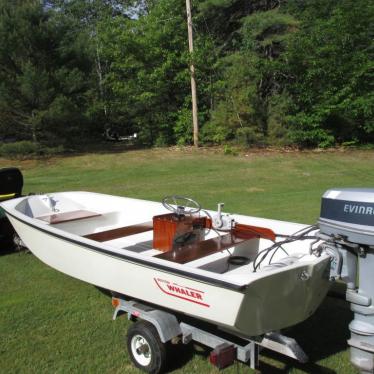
170, 232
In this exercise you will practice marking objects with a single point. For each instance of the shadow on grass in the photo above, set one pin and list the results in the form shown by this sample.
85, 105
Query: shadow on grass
6, 246
306, 368
321, 336
105, 148
179, 356
6, 235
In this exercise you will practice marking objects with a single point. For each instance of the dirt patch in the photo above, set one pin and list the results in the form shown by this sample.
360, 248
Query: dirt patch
255, 189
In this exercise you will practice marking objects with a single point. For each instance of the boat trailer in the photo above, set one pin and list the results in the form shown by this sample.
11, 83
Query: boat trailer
154, 329
346, 233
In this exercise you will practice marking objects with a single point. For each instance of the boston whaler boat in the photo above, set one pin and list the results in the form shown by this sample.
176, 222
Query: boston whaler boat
246, 276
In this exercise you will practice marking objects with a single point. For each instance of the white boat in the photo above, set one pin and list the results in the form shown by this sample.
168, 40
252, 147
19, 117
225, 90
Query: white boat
246, 275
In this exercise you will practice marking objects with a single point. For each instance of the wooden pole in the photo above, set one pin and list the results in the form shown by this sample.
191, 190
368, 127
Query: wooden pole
195, 120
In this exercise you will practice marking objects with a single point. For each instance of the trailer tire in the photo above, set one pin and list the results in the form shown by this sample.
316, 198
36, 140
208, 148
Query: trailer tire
145, 348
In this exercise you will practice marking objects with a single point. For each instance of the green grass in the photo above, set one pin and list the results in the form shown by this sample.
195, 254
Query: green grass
50, 323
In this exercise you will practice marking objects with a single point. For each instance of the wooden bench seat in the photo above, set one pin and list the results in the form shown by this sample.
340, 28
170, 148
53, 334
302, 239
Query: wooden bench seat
68, 216
120, 232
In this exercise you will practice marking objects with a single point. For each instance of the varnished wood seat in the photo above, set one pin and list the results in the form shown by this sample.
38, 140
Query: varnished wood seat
120, 232
68, 216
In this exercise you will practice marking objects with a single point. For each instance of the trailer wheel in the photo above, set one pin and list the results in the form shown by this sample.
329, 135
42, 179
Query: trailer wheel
146, 350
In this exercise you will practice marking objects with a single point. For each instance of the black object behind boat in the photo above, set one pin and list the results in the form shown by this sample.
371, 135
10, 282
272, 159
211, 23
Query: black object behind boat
11, 184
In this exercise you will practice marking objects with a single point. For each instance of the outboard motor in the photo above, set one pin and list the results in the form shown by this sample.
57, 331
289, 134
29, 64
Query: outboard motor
347, 227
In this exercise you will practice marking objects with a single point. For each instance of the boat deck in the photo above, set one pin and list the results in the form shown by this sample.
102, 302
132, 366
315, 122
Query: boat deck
210, 254
179, 254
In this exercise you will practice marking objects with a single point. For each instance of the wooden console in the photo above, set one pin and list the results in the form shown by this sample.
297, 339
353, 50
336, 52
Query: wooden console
168, 227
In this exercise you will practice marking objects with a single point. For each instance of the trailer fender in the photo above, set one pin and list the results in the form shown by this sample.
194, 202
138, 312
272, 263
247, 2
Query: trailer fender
165, 323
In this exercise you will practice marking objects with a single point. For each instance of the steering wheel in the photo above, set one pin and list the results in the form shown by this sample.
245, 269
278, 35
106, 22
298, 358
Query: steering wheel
181, 205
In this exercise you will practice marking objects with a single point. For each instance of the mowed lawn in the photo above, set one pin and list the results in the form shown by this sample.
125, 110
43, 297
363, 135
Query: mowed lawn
51, 323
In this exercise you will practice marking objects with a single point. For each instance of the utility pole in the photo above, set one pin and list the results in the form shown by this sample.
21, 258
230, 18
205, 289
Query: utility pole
193, 81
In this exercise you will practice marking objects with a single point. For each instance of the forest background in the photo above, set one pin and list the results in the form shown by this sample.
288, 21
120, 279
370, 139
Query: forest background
269, 72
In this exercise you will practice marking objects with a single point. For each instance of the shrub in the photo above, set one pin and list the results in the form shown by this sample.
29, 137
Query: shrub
183, 127
248, 136
50, 151
26, 148
17, 149
229, 150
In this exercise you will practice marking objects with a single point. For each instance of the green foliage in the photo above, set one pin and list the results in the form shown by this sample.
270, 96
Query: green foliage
182, 128
249, 92
301, 75
42, 66
248, 136
268, 32
215, 131
332, 75
148, 75
17, 149
24, 149
278, 108
229, 150
268, 72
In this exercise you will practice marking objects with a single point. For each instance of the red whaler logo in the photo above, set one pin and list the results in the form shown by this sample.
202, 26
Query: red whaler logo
182, 292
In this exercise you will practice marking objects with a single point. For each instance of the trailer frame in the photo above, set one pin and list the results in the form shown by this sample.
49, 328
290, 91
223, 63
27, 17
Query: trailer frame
176, 329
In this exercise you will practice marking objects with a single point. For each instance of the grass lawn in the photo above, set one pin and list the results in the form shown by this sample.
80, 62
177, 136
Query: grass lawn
50, 323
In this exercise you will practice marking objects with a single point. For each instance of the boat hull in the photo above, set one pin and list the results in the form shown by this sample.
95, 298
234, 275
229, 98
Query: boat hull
265, 304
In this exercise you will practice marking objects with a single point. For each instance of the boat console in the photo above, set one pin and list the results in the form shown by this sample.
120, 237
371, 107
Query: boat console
171, 230
181, 236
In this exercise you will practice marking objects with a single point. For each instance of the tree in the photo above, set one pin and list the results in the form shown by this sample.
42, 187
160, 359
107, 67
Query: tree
149, 70
268, 71
88, 18
251, 96
43, 75
331, 73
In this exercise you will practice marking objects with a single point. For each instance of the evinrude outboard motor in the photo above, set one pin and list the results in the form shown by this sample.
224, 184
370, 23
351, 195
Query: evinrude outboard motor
347, 227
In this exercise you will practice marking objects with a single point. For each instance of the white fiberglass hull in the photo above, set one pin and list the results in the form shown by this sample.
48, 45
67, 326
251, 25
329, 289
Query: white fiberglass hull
245, 303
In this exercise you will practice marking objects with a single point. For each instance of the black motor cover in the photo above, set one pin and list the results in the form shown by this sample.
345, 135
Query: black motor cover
11, 182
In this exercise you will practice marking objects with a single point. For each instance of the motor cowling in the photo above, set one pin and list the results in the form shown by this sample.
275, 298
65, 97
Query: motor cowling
348, 213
